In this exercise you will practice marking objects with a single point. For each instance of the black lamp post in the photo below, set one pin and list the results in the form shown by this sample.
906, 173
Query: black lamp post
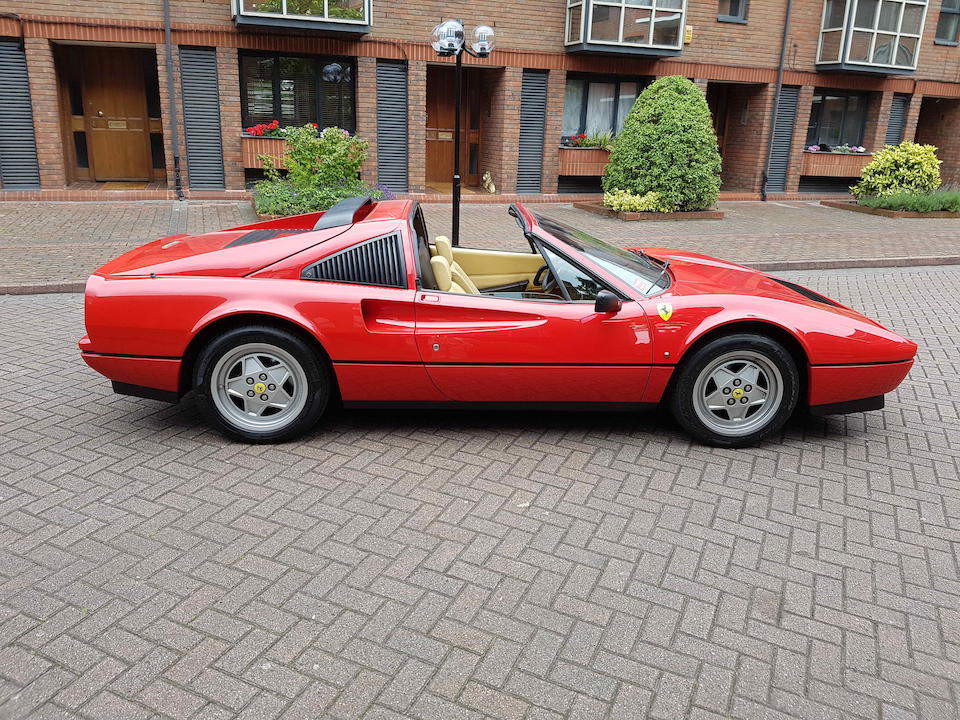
448, 39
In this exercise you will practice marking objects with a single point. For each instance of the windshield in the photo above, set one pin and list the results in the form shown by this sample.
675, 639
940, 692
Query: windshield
638, 271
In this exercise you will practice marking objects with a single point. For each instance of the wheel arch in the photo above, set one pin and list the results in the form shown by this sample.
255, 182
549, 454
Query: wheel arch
759, 327
222, 324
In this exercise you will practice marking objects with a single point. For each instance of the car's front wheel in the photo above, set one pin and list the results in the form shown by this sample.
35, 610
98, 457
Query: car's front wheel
261, 384
736, 390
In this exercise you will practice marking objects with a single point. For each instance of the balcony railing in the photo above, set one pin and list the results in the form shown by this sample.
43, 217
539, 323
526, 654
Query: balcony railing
640, 27
341, 16
871, 36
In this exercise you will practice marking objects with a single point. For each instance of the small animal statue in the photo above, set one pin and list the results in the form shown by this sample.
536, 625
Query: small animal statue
487, 183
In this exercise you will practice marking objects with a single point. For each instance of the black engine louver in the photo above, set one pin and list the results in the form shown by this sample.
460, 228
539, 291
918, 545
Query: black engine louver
373, 262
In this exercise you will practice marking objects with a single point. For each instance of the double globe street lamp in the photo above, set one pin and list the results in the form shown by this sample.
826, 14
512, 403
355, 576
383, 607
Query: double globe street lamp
448, 39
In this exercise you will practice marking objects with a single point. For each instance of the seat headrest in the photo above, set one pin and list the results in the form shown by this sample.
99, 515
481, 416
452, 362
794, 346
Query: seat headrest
441, 273
444, 248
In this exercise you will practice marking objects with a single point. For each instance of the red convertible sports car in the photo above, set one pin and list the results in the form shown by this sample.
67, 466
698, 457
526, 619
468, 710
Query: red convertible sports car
269, 324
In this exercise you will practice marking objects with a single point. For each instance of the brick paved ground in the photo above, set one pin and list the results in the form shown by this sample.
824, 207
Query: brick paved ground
501, 566
42, 243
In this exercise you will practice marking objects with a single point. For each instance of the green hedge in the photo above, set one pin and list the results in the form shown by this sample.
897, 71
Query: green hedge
667, 146
941, 201
904, 168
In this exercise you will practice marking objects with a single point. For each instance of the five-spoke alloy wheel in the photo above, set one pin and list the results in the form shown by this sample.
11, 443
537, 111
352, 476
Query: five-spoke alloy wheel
736, 390
261, 384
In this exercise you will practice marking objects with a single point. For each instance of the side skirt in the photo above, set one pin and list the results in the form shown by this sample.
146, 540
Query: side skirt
850, 406
479, 406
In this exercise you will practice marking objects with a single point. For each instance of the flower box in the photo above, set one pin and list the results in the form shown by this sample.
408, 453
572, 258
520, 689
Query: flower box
251, 147
829, 164
583, 161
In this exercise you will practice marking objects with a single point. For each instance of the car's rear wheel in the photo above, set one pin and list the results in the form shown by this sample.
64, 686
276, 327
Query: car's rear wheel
736, 390
261, 384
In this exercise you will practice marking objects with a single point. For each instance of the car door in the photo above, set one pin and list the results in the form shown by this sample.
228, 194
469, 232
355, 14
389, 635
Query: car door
484, 348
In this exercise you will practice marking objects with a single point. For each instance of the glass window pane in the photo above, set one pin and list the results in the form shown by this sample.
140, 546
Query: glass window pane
305, 7
666, 28
860, 47
264, 6
906, 51
950, 5
628, 96
912, 17
605, 23
572, 107
948, 26
298, 91
579, 285
258, 91
813, 127
337, 96
884, 48
866, 14
834, 14
636, 26
853, 120
345, 9
575, 27
600, 108
831, 120
889, 16
830, 47
670, 4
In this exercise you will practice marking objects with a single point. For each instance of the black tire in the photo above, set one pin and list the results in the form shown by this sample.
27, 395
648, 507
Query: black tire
309, 392
695, 376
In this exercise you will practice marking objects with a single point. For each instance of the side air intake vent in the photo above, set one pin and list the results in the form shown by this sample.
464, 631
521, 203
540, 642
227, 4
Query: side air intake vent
809, 294
373, 262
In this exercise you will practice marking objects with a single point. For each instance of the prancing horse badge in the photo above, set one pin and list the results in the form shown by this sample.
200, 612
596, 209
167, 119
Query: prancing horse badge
665, 310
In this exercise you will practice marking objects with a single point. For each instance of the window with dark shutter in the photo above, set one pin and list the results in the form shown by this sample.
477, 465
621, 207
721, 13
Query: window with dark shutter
373, 262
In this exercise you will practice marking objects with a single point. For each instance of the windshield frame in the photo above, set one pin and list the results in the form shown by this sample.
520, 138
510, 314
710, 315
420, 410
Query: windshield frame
579, 241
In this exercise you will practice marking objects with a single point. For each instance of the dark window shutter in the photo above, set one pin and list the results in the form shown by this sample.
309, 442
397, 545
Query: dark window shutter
392, 151
533, 115
898, 120
201, 117
372, 262
19, 169
783, 127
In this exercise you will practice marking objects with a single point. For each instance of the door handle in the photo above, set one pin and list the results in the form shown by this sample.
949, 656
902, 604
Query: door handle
99, 113
430, 298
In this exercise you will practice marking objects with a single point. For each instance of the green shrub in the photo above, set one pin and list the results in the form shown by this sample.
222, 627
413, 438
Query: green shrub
904, 168
668, 146
598, 140
623, 201
940, 201
322, 169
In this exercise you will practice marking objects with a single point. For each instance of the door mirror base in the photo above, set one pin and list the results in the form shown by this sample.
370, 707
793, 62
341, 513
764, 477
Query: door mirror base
607, 303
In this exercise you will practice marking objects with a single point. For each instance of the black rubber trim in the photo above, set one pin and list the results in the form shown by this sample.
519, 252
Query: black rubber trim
342, 213
145, 392
862, 364
139, 357
806, 292
491, 364
850, 406
461, 405
268, 234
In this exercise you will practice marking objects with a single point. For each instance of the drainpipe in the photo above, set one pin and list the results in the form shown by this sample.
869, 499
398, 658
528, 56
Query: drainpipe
776, 99
172, 95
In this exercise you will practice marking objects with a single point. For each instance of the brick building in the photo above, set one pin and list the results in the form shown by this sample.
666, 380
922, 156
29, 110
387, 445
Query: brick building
86, 106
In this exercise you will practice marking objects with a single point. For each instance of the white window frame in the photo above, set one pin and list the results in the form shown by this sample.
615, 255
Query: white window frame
652, 5
849, 27
238, 9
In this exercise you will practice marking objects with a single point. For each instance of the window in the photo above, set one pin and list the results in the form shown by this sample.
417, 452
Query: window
297, 90
598, 104
637, 23
837, 118
348, 11
872, 33
948, 27
732, 11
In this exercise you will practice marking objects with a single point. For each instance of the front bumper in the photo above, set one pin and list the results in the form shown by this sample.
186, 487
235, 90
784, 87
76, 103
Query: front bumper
839, 385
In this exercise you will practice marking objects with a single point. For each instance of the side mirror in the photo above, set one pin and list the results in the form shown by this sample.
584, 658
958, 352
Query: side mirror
607, 303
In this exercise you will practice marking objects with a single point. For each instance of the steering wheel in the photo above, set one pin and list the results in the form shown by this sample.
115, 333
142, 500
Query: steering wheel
544, 279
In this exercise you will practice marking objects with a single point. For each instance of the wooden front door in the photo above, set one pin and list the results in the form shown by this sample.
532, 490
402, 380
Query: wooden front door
441, 92
115, 111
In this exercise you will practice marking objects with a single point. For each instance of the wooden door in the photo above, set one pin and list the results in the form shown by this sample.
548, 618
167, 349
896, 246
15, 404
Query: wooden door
115, 109
441, 92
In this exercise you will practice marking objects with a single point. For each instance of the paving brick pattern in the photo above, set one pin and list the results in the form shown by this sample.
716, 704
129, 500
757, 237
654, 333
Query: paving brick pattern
491, 566
44, 243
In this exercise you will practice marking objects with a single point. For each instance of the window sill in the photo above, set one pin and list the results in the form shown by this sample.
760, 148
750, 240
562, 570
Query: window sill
732, 19
950, 43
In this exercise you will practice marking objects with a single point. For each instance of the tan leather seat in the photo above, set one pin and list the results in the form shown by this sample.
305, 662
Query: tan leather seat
445, 250
441, 273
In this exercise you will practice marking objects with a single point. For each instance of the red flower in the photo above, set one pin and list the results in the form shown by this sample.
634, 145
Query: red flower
249, 131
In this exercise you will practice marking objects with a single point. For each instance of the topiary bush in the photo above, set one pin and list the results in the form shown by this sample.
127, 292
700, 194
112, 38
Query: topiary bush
904, 168
668, 146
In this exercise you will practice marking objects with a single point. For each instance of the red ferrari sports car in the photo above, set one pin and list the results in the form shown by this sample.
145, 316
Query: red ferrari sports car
270, 323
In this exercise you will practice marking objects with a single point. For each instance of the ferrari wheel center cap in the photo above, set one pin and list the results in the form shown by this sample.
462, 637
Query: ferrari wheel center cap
261, 388
738, 393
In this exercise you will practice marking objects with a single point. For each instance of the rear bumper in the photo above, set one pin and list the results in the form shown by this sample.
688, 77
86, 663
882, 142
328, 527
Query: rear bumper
840, 385
157, 378
850, 406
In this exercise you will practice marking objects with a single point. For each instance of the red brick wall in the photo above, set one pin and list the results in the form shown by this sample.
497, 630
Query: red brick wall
939, 125
556, 88
417, 124
367, 114
228, 70
44, 95
500, 127
167, 120
748, 115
